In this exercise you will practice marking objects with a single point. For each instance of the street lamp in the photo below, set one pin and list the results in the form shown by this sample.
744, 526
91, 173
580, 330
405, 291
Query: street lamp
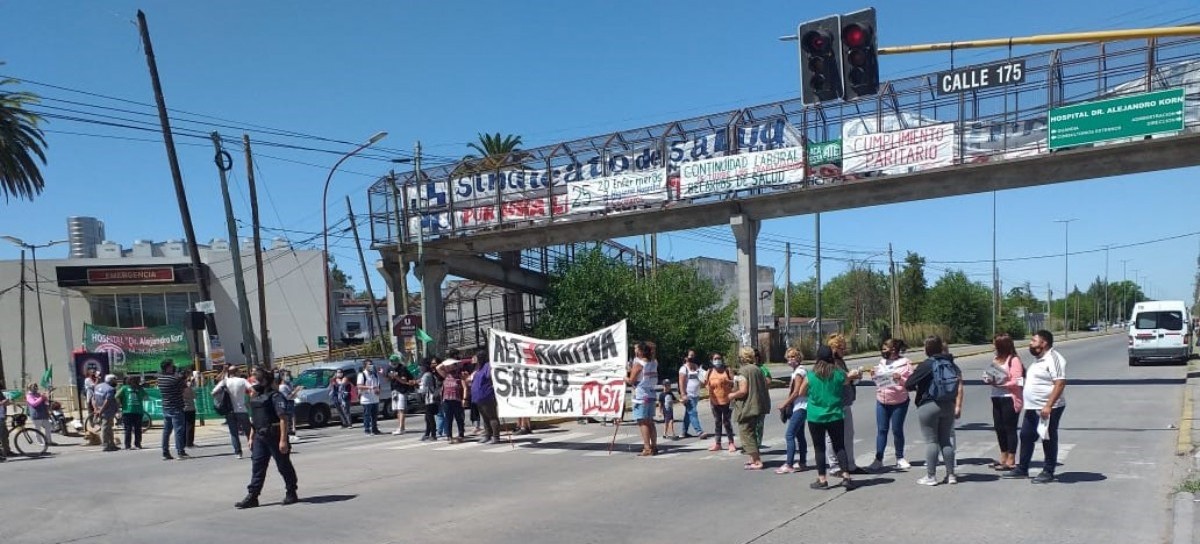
1066, 267
37, 287
325, 236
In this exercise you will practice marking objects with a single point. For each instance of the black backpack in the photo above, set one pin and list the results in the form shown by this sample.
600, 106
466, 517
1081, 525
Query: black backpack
222, 400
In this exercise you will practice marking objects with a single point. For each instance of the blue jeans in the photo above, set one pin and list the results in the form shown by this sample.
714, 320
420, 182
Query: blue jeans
173, 422
441, 419
794, 437
691, 415
370, 417
889, 416
238, 423
1029, 439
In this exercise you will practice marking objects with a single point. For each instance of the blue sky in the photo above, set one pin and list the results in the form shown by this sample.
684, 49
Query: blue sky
549, 71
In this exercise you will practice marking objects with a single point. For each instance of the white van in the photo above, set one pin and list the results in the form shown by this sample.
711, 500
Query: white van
1159, 330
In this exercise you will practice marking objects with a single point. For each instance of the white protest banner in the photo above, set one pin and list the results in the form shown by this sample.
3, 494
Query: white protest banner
620, 191
576, 377
739, 172
898, 152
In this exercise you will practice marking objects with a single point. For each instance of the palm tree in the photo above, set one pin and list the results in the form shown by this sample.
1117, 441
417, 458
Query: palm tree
497, 152
20, 142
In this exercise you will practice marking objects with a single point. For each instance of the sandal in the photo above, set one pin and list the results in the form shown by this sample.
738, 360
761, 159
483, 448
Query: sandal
996, 465
785, 469
752, 466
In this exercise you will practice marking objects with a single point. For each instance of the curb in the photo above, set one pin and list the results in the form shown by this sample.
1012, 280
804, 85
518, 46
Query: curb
1183, 445
1181, 524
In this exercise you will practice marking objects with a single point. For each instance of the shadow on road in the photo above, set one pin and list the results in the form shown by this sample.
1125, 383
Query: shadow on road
1080, 477
323, 499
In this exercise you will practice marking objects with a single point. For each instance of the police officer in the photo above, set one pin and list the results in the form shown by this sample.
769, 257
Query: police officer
268, 439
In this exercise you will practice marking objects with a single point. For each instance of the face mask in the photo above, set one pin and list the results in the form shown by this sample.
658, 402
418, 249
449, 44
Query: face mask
259, 388
1035, 351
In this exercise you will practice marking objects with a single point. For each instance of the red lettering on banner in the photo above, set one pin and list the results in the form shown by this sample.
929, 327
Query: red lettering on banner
601, 399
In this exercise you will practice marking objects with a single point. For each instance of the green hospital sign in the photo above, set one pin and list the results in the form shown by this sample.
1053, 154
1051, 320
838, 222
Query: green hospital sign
1116, 118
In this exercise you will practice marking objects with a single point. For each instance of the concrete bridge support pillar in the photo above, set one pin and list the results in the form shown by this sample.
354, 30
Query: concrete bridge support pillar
514, 301
433, 306
745, 233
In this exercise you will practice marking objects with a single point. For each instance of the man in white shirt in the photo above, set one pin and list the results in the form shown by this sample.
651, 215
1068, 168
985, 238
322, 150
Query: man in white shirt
238, 421
1044, 405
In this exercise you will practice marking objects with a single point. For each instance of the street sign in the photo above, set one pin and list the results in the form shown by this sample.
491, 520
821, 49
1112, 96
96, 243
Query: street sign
1116, 118
322, 341
407, 325
974, 78
206, 306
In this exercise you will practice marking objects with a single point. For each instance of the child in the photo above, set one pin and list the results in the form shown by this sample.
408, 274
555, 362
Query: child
666, 400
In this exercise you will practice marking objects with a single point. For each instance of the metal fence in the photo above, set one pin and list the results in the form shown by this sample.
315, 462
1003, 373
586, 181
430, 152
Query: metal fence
641, 168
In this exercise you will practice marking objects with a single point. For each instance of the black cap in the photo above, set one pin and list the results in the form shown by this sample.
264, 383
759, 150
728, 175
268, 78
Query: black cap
824, 353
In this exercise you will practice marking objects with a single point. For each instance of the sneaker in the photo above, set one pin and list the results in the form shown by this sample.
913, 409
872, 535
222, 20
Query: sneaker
1015, 473
397, 432
290, 498
183, 456
251, 501
238, 456
1043, 478
927, 480
849, 485
876, 466
859, 470
819, 485
951, 479
167, 456
903, 464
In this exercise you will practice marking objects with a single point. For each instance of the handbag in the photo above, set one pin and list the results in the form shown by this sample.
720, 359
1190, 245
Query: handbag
785, 413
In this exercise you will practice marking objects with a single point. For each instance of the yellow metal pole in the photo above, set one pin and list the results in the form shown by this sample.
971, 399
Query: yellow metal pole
1073, 37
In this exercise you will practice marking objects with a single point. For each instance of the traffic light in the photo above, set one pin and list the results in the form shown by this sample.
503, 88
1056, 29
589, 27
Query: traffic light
819, 75
860, 54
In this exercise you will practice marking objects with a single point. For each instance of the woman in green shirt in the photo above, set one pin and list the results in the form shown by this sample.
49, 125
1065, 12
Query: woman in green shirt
131, 396
826, 415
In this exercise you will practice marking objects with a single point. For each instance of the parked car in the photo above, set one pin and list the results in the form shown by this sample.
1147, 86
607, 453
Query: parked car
314, 405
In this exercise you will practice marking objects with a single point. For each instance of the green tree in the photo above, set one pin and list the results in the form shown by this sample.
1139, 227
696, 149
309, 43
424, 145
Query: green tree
338, 279
912, 287
803, 303
21, 144
495, 152
962, 305
859, 295
675, 307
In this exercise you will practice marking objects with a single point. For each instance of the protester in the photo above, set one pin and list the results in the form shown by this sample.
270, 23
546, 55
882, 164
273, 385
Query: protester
339, 393
132, 397
402, 383
90, 380
1005, 375
762, 419
643, 376
39, 411
719, 382
289, 393
483, 392
937, 381
106, 406
666, 401
1044, 405
368, 397
268, 440
189, 411
452, 400
751, 401
170, 386
690, 378
825, 387
4, 447
891, 401
838, 344
793, 437
238, 420
432, 391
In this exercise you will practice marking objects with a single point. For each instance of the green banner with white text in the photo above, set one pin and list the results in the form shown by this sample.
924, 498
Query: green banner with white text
136, 351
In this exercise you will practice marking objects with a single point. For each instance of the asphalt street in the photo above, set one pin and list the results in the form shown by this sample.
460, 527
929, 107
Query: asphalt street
562, 484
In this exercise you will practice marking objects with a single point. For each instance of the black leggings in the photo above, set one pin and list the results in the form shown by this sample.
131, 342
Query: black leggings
723, 416
837, 435
431, 411
1005, 418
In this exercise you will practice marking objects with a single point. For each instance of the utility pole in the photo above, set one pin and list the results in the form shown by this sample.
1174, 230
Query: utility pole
818, 269
1107, 320
403, 290
892, 291
1049, 314
176, 175
263, 334
1124, 288
373, 322
995, 271
421, 346
787, 295
24, 372
1066, 273
225, 163
653, 253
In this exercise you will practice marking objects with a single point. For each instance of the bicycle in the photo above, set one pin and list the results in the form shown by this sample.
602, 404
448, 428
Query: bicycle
26, 441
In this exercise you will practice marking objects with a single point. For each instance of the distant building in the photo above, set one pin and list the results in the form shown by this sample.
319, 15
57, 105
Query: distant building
723, 274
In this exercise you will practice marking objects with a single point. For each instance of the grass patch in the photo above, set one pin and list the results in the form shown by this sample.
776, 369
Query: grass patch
1191, 485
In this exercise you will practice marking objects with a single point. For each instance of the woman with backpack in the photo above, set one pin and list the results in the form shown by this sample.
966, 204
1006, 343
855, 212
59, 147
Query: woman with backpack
824, 387
1005, 375
891, 407
938, 383
453, 400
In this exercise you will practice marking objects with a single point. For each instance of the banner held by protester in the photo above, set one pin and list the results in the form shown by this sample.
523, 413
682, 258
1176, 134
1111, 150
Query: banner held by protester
576, 377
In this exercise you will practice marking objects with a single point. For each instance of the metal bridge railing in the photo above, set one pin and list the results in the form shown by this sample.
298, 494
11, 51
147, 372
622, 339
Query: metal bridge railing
656, 166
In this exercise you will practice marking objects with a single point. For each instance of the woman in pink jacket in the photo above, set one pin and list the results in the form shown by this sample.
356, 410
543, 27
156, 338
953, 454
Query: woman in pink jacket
39, 411
1006, 375
891, 407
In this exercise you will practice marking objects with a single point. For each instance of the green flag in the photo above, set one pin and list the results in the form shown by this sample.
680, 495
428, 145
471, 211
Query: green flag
47, 377
423, 336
